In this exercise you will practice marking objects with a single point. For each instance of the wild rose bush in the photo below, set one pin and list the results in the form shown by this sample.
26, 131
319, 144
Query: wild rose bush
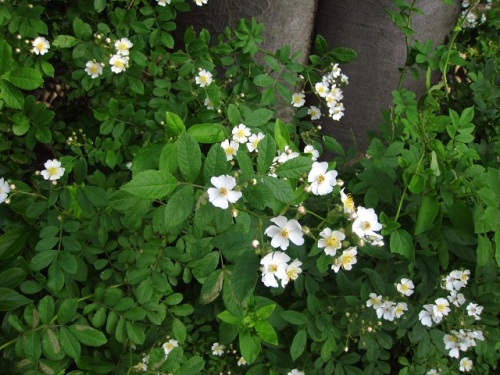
157, 216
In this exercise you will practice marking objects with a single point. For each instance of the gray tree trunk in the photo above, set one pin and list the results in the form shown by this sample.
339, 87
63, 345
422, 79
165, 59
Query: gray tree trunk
365, 26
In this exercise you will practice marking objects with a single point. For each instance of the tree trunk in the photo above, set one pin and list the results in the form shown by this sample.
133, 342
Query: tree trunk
285, 22
365, 26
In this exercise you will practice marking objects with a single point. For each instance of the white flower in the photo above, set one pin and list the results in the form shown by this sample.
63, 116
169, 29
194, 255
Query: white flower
93, 69
366, 223
452, 343
298, 99
405, 287
284, 231
222, 194
441, 307
141, 367
432, 372
337, 94
456, 298
208, 103
322, 89
375, 301
296, 372
241, 133
293, 271
456, 280
285, 155
118, 63
4, 190
274, 266
163, 2
349, 207
53, 170
386, 310
230, 148
465, 364
253, 142
169, 346
322, 182
335, 72
346, 260
241, 362
203, 78
344, 79
123, 46
309, 149
473, 309
314, 112
400, 309
336, 112
218, 349
331, 241
427, 316
200, 2
40, 45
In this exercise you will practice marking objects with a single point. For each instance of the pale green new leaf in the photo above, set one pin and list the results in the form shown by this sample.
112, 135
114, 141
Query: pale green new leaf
266, 332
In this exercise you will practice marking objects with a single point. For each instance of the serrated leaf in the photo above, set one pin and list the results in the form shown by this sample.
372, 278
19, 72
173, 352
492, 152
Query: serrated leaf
249, 345
46, 309
179, 330
12, 242
343, 55
144, 291
234, 115
295, 168
401, 243
267, 152
5, 56
207, 133
65, 41
11, 300
427, 212
245, 275
228, 318
193, 366
216, 163
188, 157
11, 95
263, 80
298, 344
88, 335
212, 287
69, 343
280, 189
179, 206
43, 259
294, 317
67, 311
266, 332
175, 125
151, 185
376, 280
259, 117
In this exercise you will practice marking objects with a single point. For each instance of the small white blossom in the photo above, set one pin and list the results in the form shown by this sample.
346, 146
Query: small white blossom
441, 307
400, 309
452, 343
53, 170
309, 149
253, 142
118, 63
293, 271
223, 194
284, 231
386, 310
322, 89
241, 133
163, 2
336, 112
346, 260
93, 69
465, 364
218, 349
473, 309
274, 267
123, 46
432, 372
322, 182
314, 112
208, 103
230, 148
331, 241
141, 367
169, 346
204, 78
241, 362
4, 190
456, 298
349, 207
405, 287
298, 99
366, 224
200, 2
40, 45
375, 301
427, 316
285, 155
296, 372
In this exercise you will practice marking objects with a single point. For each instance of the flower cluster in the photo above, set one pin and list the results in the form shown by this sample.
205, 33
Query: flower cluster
241, 135
387, 309
461, 340
119, 61
471, 16
167, 348
163, 3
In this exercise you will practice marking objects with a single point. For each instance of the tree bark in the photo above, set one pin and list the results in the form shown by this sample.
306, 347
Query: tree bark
365, 26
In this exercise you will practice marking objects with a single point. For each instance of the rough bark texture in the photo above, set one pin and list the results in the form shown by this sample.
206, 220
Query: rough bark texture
286, 22
365, 26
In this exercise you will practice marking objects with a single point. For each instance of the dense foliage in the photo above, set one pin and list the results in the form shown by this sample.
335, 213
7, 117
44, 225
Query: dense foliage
164, 208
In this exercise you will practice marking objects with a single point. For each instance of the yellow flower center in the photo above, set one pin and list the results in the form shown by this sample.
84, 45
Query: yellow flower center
223, 191
229, 150
40, 46
321, 178
292, 273
203, 79
241, 133
118, 64
52, 171
93, 69
347, 260
272, 268
366, 225
332, 241
284, 233
349, 202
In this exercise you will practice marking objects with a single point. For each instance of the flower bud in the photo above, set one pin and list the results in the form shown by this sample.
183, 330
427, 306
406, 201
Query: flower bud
346, 349
307, 189
54, 182
301, 210
255, 244
340, 183
12, 186
234, 212
306, 230
18, 36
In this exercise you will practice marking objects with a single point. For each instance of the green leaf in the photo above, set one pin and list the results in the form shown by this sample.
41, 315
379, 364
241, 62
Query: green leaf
193, 366
46, 309
343, 55
12, 242
12, 277
267, 152
179, 206
259, 117
168, 158
64, 41
376, 280
5, 56
244, 276
229, 318
216, 163
295, 168
332, 145
265, 311
179, 330
43, 259
401, 243
151, 185
25, 78
88, 335
12, 97
281, 134
144, 291
484, 251
212, 287
135, 333
99, 5
266, 332
234, 115
294, 317
32, 345
188, 157
280, 189
298, 344
249, 345
69, 343
67, 311
175, 125
207, 133
244, 162
82, 30
233, 243
426, 214
263, 80
11, 300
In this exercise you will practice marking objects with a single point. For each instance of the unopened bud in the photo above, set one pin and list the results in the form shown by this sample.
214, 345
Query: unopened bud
353, 215
18, 50
255, 244
54, 182
318, 127
340, 183
301, 210
369, 329
12, 186
307, 189
18, 36
306, 230
107, 40
346, 349
234, 212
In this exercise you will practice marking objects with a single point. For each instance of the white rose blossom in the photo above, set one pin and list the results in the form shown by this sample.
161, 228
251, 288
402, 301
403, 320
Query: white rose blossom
230, 148
284, 231
204, 78
40, 45
223, 194
4, 190
366, 223
93, 69
123, 46
53, 170
322, 182
331, 241
274, 267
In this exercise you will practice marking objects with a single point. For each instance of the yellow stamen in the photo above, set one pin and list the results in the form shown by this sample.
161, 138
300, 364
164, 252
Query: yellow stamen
332, 241
284, 233
223, 191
